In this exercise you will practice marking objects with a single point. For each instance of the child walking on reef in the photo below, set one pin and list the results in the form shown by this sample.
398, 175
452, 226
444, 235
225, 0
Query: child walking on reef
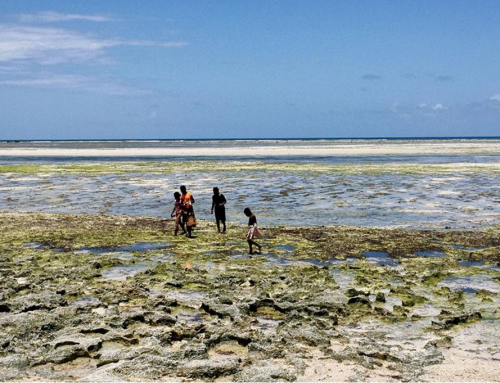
218, 205
253, 231
177, 213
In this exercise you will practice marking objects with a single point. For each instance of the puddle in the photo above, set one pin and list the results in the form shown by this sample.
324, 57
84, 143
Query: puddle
427, 310
191, 296
277, 260
431, 254
140, 247
492, 267
267, 325
461, 247
380, 258
162, 258
391, 301
186, 314
144, 246
35, 245
238, 257
285, 247
85, 301
121, 272
23, 259
471, 263
471, 283
343, 278
469, 290
91, 250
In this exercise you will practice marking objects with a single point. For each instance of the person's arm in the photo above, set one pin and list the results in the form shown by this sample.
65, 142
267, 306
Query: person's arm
192, 199
173, 212
223, 200
213, 205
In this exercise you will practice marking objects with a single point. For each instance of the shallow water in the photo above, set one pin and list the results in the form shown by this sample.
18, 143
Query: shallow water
141, 247
347, 196
186, 314
471, 263
431, 254
122, 272
471, 283
380, 258
144, 246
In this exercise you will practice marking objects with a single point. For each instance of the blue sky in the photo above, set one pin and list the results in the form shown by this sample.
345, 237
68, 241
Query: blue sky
248, 69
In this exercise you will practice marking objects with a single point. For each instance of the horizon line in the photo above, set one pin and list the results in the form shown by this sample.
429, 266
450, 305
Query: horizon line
250, 139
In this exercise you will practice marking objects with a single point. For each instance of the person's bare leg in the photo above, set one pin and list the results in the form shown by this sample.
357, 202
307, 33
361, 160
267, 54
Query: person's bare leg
224, 229
183, 225
218, 225
250, 243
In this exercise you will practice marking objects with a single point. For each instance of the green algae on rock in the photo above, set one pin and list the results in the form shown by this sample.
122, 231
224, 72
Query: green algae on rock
201, 311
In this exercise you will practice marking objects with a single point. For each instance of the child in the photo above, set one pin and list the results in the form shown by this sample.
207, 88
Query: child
188, 217
218, 203
177, 213
253, 231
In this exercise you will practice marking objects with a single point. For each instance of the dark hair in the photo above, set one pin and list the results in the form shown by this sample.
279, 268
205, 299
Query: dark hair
216, 189
177, 195
247, 211
183, 188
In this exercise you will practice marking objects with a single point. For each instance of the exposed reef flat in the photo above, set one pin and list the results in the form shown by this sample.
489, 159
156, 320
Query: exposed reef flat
96, 297
414, 195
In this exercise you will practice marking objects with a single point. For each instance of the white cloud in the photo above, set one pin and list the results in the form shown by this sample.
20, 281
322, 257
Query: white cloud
52, 17
495, 97
51, 46
429, 107
439, 107
77, 82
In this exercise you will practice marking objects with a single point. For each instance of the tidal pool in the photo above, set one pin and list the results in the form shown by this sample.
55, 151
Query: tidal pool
471, 283
431, 254
122, 272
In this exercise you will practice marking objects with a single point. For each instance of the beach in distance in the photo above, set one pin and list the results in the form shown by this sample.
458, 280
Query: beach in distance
243, 148
380, 261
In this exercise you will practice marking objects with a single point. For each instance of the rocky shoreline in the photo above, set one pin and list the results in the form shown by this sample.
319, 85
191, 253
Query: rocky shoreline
95, 297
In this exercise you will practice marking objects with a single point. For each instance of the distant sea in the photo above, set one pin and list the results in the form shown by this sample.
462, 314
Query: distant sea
248, 142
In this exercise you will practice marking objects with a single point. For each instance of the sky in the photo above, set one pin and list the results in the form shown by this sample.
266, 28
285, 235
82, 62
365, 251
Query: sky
87, 69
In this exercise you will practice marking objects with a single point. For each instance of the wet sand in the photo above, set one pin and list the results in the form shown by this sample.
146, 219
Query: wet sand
255, 149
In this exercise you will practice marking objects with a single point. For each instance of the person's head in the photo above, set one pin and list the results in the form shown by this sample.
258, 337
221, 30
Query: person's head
183, 189
177, 196
216, 191
247, 212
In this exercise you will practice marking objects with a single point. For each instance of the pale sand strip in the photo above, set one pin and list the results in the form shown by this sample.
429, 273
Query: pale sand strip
312, 150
